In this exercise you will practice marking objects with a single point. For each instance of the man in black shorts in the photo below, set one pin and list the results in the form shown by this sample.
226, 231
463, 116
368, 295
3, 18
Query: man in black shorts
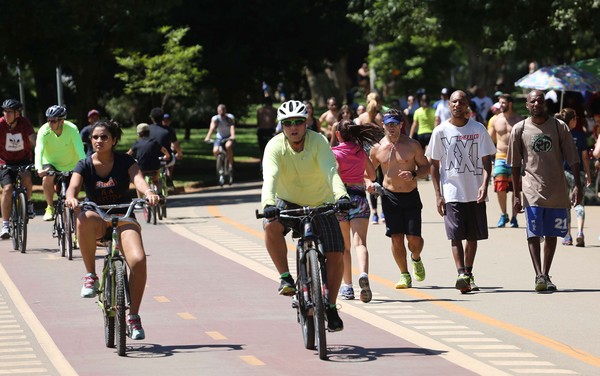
460, 153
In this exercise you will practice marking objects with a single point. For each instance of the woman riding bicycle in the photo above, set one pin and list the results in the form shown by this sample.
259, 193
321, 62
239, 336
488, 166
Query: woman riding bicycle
106, 176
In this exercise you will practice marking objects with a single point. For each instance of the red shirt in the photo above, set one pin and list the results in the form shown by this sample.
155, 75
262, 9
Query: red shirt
15, 146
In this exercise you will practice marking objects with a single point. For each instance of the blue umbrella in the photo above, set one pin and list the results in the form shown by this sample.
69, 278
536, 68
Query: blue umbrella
560, 78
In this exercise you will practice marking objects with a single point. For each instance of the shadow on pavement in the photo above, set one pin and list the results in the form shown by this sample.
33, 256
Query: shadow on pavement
353, 354
159, 351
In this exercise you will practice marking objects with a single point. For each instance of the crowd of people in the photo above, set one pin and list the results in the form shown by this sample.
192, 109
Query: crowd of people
465, 144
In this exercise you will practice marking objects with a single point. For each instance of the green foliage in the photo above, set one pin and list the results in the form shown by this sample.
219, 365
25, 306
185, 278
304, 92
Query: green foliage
171, 73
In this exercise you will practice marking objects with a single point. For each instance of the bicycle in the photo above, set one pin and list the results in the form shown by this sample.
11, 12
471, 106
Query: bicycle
113, 292
312, 293
64, 218
163, 188
151, 212
19, 217
224, 170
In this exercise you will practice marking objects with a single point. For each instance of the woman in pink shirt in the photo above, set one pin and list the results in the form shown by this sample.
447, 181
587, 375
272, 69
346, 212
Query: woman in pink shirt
353, 165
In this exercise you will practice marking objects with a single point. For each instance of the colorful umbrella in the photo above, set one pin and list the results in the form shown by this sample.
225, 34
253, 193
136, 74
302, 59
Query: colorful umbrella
560, 78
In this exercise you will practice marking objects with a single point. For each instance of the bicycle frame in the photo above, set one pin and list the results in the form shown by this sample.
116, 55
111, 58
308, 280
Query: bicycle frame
19, 217
64, 227
312, 293
113, 301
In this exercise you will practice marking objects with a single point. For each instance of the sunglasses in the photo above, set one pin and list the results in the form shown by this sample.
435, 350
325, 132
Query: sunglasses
101, 137
289, 123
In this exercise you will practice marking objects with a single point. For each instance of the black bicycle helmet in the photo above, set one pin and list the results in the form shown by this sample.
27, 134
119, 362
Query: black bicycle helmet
12, 104
56, 111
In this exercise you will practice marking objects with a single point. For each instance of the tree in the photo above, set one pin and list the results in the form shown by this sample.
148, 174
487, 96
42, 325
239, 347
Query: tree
171, 73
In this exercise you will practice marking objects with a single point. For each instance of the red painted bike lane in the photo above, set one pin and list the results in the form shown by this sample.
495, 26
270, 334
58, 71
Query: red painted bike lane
203, 314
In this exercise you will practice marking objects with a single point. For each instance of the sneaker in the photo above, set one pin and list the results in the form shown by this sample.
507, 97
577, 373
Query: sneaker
5, 232
463, 283
49, 214
30, 210
503, 220
75, 242
347, 292
375, 219
365, 289
404, 282
382, 217
474, 287
418, 269
287, 287
334, 322
549, 285
579, 240
514, 223
90, 286
541, 284
134, 325
567, 240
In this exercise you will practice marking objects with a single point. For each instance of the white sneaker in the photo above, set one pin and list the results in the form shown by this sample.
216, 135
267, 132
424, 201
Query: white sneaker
5, 232
90, 286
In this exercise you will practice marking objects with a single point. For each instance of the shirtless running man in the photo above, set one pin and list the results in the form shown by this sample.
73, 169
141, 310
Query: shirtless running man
499, 130
402, 161
330, 117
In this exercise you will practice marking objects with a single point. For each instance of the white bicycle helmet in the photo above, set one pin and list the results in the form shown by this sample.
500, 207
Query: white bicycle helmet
292, 109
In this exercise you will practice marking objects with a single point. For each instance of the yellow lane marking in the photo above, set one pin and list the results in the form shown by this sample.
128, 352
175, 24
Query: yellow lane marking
186, 316
216, 335
161, 299
252, 360
43, 338
452, 307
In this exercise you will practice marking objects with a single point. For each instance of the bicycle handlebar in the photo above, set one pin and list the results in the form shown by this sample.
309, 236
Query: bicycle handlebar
59, 173
30, 167
103, 210
304, 211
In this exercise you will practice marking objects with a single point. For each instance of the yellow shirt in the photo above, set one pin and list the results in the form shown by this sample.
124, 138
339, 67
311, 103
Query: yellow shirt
306, 178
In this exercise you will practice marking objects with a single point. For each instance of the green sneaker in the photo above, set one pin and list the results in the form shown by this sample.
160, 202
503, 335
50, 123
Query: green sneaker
418, 269
404, 282
49, 214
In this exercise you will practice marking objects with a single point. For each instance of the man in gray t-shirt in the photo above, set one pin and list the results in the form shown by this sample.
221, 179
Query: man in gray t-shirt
538, 145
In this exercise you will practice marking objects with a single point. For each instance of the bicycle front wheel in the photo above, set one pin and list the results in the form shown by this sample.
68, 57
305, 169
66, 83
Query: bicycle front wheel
69, 230
317, 300
14, 224
221, 160
305, 314
120, 307
59, 224
22, 222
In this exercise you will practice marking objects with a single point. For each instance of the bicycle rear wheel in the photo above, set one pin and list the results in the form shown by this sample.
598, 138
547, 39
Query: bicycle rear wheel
305, 317
22, 222
318, 304
14, 224
120, 307
68, 231
106, 303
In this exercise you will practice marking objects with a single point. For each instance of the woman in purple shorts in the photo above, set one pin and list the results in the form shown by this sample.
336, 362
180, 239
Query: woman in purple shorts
353, 162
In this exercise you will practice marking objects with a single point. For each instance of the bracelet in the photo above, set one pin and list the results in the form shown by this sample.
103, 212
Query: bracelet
414, 174
149, 190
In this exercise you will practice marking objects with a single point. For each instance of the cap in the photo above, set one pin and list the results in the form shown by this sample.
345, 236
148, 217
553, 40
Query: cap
166, 116
93, 112
142, 127
396, 118
444, 91
156, 113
